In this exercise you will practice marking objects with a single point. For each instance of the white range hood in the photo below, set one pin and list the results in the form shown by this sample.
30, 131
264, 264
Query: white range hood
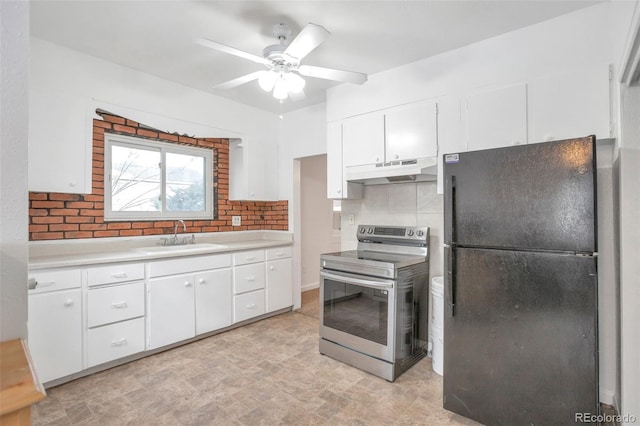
418, 170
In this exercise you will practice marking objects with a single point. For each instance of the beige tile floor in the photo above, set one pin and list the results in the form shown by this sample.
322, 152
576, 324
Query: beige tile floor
266, 373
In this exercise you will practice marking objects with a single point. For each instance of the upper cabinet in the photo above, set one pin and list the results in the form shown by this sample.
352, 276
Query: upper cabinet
252, 171
363, 139
496, 118
337, 187
404, 132
571, 104
411, 131
60, 143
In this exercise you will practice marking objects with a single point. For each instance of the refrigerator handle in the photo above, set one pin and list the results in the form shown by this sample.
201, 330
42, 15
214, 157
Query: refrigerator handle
451, 277
450, 199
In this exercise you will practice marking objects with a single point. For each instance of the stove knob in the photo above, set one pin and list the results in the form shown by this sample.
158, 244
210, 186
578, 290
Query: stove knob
410, 232
370, 231
420, 233
362, 230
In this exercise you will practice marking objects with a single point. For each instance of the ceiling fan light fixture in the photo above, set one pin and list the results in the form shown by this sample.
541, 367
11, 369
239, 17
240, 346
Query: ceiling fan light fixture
267, 80
280, 89
295, 82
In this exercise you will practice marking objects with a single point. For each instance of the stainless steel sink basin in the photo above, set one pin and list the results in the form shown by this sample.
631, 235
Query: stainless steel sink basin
181, 248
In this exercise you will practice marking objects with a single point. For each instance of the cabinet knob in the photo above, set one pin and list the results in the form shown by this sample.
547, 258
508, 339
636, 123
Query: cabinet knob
251, 278
377, 159
72, 184
396, 156
68, 303
272, 268
548, 138
187, 284
202, 281
339, 191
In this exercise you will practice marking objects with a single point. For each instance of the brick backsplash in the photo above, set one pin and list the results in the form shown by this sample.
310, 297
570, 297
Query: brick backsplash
56, 216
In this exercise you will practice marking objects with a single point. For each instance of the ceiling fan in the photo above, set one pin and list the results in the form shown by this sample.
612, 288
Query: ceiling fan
283, 74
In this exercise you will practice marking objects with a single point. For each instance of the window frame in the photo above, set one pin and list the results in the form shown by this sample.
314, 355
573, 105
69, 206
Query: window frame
163, 147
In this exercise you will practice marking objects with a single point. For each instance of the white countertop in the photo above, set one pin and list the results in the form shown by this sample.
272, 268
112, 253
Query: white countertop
60, 253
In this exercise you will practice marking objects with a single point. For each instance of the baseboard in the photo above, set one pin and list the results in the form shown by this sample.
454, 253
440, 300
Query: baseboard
310, 286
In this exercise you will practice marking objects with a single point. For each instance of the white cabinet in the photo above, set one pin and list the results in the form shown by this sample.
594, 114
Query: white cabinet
363, 139
171, 310
115, 341
188, 296
252, 170
248, 305
279, 282
450, 135
248, 284
213, 300
55, 323
112, 304
571, 104
411, 131
496, 118
59, 120
337, 187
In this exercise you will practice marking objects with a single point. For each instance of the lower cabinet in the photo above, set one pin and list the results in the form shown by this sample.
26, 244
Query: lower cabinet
55, 333
279, 284
248, 305
171, 308
115, 341
213, 300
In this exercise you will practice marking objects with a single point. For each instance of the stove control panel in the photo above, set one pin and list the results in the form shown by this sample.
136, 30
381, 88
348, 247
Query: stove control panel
414, 234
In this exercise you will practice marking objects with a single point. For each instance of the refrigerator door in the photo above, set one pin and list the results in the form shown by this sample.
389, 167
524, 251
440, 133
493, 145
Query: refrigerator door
531, 197
521, 345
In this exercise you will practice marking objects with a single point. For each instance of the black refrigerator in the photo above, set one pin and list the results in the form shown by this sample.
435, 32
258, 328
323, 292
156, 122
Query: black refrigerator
520, 328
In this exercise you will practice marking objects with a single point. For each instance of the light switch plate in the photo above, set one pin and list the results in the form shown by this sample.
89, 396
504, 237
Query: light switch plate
352, 219
236, 220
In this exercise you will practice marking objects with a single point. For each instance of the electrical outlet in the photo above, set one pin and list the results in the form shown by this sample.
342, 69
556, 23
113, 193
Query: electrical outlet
352, 219
236, 220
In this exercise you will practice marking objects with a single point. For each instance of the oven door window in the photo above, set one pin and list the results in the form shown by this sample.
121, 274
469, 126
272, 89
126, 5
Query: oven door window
356, 310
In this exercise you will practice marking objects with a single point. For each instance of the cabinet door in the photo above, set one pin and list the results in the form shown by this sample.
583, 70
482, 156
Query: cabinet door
279, 284
55, 333
411, 131
171, 312
450, 135
363, 139
337, 187
214, 299
497, 118
60, 143
571, 105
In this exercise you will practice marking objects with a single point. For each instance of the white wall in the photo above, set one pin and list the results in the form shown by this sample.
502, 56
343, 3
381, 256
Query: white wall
303, 133
149, 99
14, 62
562, 44
317, 235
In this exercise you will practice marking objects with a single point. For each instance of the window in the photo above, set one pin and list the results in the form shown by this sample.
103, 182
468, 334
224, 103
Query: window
147, 180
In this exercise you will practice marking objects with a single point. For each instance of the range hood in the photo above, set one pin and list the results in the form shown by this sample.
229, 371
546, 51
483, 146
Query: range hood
418, 170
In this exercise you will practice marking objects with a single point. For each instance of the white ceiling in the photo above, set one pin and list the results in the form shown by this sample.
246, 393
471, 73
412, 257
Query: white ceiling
366, 36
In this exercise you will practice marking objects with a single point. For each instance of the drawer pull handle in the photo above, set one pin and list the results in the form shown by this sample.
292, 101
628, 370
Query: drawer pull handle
68, 303
120, 342
251, 306
119, 275
187, 284
251, 278
272, 268
250, 257
280, 253
119, 305
47, 284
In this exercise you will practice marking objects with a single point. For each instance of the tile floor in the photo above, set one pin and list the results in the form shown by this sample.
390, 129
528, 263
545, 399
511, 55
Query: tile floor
266, 373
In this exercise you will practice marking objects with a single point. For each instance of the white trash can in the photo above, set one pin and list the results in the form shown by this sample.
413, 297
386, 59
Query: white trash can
437, 323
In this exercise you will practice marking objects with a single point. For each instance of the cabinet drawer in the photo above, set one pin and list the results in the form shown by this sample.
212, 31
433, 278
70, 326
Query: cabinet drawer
111, 274
115, 341
278, 252
55, 279
248, 277
245, 257
248, 305
189, 264
115, 303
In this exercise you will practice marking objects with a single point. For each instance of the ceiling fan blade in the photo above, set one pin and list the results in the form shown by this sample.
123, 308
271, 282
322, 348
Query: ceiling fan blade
230, 50
308, 39
297, 96
239, 81
333, 74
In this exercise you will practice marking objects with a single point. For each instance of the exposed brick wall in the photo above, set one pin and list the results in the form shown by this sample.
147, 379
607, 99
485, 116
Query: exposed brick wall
55, 216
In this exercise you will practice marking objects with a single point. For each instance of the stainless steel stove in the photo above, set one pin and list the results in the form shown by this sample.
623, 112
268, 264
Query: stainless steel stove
374, 300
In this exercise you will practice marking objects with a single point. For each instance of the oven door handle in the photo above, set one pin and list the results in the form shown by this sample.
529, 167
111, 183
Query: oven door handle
383, 284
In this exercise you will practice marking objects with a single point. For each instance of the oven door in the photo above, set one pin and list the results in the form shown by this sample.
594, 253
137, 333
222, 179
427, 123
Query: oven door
357, 311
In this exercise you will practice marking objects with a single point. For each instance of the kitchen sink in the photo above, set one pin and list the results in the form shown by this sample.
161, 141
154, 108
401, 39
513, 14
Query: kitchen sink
181, 248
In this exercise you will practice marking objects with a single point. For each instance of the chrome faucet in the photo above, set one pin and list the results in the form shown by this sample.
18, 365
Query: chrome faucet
175, 230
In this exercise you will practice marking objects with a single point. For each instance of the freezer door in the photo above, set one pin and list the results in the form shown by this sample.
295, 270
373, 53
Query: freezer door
538, 196
521, 345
